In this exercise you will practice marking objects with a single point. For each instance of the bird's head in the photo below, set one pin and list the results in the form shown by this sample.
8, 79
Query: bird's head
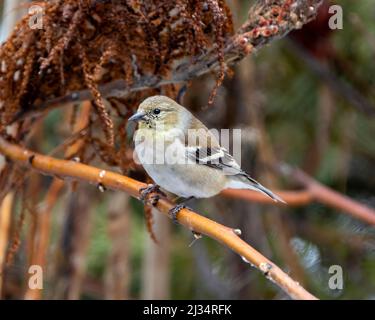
159, 112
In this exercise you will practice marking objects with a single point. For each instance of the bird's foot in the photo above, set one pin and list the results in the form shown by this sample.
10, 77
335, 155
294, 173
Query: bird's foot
154, 199
175, 210
151, 193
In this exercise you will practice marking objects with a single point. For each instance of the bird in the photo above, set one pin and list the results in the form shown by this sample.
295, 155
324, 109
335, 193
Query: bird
182, 156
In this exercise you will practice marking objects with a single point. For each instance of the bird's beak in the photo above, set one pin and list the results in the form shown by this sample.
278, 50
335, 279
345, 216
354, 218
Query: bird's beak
137, 116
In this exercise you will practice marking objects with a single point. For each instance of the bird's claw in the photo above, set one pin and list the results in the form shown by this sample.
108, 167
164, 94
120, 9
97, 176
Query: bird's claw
147, 191
175, 210
154, 199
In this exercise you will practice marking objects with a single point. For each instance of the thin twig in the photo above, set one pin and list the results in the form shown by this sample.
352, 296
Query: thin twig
57, 185
193, 221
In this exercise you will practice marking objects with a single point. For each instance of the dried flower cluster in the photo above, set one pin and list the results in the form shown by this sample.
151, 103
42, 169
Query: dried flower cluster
87, 43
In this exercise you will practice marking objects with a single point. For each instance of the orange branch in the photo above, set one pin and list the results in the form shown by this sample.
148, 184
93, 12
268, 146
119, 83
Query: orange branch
332, 198
5, 221
188, 218
314, 191
292, 198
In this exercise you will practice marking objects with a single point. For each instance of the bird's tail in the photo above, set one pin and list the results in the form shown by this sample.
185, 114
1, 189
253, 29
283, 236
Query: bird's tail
244, 181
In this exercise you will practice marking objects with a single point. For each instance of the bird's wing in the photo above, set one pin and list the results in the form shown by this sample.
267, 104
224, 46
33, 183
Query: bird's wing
214, 157
203, 148
220, 159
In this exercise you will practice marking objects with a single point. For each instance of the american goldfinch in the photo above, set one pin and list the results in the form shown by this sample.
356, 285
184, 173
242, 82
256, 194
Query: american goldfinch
182, 156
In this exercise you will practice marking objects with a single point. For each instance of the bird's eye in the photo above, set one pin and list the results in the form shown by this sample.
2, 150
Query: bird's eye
156, 111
